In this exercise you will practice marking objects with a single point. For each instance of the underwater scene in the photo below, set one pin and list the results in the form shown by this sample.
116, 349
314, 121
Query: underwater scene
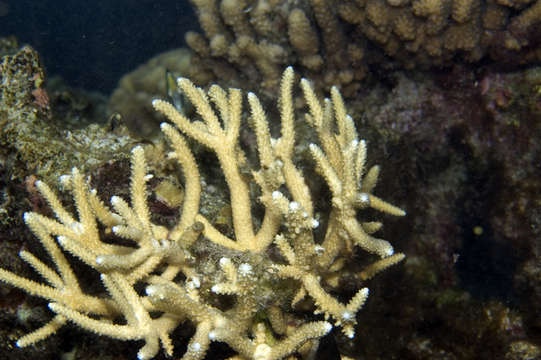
270, 179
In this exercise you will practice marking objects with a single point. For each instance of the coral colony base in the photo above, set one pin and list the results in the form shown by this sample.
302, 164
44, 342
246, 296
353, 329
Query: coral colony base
263, 284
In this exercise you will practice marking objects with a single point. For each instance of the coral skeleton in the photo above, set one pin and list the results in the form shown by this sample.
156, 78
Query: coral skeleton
265, 285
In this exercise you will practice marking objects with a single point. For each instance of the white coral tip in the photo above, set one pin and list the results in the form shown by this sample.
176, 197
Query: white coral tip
196, 282
364, 199
294, 206
27, 216
225, 261
276, 195
155, 102
245, 269
77, 227
212, 335
327, 327
151, 290
64, 180
315, 223
195, 347
365, 291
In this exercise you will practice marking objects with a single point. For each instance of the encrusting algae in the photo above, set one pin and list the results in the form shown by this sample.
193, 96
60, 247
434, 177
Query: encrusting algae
265, 285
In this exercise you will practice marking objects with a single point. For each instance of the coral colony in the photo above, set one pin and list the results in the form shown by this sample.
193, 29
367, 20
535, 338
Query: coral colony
337, 42
183, 286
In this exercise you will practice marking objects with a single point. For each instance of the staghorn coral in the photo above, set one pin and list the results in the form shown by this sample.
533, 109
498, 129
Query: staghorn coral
337, 42
181, 281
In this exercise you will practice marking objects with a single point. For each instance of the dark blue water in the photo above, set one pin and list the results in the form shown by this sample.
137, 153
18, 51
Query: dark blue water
92, 43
